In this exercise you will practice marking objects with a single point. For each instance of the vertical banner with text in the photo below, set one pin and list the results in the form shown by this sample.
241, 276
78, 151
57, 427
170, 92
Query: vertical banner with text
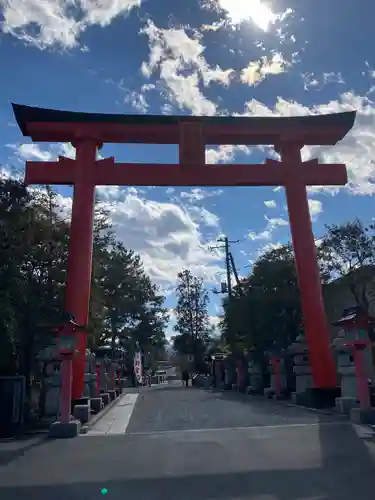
138, 367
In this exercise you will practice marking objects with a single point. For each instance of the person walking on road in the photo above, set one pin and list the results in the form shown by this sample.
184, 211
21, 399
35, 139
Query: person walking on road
185, 377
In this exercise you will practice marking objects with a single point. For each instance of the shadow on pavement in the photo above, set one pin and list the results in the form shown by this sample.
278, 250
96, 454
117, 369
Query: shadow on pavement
306, 484
347, 460
263, 402
12, 450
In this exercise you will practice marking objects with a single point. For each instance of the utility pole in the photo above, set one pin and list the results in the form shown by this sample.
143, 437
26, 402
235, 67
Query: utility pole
226, 242
227, 265
228, 257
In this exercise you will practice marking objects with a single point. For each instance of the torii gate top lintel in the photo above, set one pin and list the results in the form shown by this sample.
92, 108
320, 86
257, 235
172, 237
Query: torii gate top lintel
49, 125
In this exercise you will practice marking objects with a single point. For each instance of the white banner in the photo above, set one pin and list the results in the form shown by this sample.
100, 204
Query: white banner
138, 367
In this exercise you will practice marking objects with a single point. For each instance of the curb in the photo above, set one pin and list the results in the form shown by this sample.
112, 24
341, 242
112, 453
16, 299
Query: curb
315, 410
86, 427
292, 405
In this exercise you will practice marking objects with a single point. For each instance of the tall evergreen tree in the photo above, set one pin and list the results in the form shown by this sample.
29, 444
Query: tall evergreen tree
192, 320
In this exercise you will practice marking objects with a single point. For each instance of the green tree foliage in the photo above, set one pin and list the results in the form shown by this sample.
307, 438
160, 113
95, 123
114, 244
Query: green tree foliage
33, 255
348, 251
346, 248
192, 320
267, 314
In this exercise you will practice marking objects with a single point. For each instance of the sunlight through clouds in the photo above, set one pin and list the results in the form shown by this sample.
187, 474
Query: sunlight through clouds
242, 10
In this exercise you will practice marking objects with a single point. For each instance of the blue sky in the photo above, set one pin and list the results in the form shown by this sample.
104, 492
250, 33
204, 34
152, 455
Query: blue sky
247, 57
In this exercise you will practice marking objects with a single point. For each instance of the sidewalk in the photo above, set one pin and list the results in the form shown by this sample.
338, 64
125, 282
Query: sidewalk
116, 420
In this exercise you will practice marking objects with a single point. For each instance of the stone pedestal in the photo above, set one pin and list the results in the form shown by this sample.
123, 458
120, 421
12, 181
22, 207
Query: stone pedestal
52, 380
112, 394
256, 385
52, 395
96, 404
82, 413
103, 376
105, 398
65, 430
301, 369
89, 388
346, 369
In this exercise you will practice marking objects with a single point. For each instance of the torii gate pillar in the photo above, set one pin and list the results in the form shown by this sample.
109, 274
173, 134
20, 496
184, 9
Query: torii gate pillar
308, 275
78, 285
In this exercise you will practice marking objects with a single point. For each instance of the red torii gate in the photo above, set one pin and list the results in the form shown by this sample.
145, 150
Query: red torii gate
88, 131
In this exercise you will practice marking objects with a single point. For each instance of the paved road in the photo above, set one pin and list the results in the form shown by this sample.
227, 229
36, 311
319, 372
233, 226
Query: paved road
190, 444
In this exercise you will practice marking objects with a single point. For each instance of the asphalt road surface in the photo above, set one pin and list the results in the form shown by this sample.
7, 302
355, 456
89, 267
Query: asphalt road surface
191, 444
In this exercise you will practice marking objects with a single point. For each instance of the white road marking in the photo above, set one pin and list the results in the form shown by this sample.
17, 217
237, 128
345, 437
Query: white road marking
248, 428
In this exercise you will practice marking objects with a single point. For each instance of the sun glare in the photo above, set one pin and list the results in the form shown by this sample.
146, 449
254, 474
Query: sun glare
242, 10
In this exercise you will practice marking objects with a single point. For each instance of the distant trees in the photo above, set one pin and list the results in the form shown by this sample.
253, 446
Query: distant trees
268, 313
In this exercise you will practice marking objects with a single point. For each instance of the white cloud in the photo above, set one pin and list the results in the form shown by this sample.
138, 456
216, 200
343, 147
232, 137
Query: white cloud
224, 153
137, 100
316, 208
276, 222
164, 234
267, 233
257, 71
356, 150
263, 235
50, 152
199, 194
44, 23
270, 203
30, 152
309, 81
201, 214
181, 64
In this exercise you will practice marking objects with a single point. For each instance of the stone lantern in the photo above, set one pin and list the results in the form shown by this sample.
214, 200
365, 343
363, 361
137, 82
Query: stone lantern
355, 364
302, 369
256, 383
67, 349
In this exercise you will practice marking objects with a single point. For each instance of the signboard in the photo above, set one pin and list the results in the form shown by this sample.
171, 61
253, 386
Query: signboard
138, 367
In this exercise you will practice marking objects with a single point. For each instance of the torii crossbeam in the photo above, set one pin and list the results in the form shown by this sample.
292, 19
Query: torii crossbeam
88, 131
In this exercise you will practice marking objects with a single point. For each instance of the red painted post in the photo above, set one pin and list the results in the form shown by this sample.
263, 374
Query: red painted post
363, 392
66, 389
316, 327
276, 369
80, 252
